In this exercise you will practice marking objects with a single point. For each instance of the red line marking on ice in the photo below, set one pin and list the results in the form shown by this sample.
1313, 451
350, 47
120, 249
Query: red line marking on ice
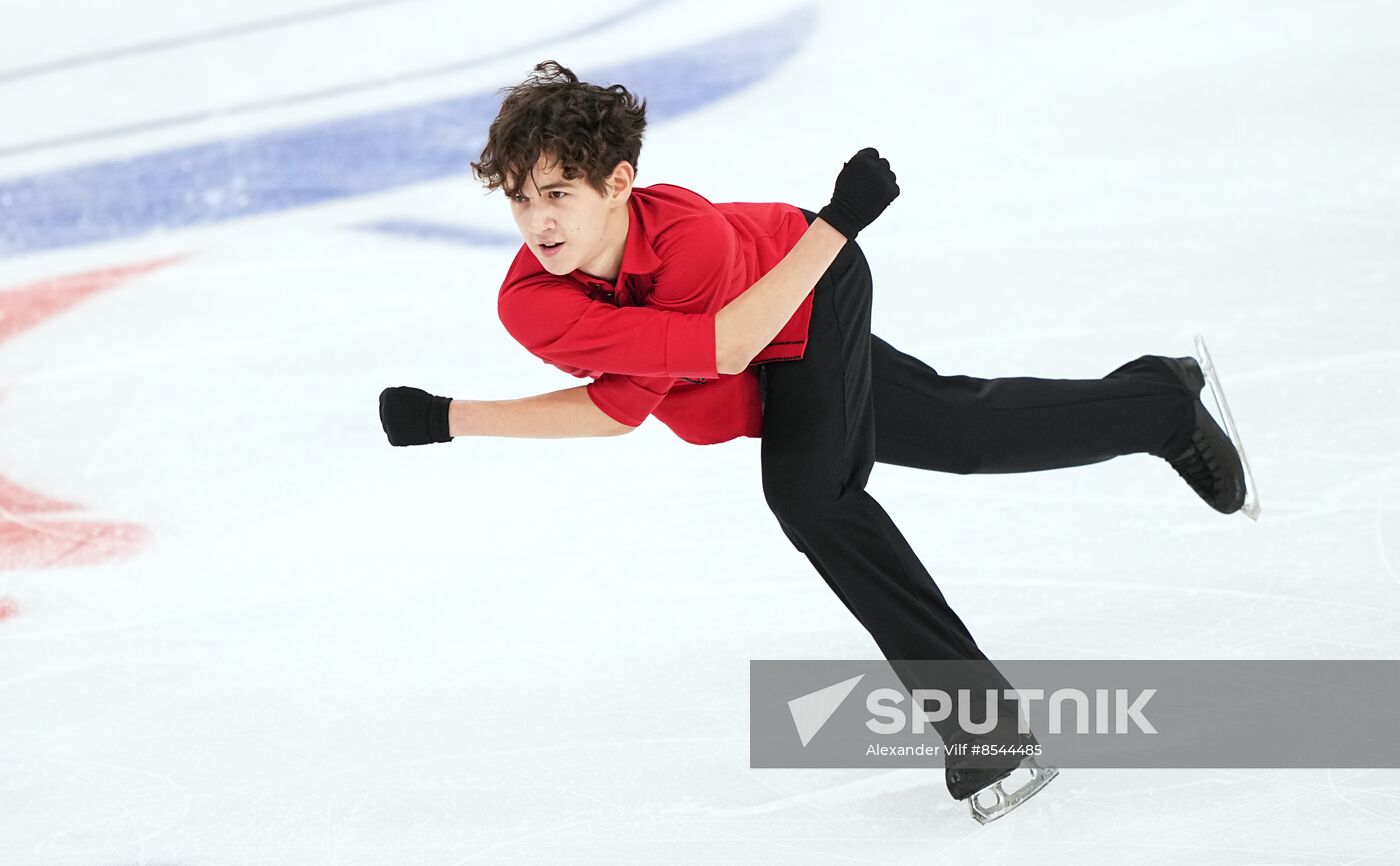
27, 306
36, 545
28, 540
8, 607
15, 499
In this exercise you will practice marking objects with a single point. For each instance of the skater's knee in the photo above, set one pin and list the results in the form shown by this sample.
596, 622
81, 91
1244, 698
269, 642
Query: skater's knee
800, 499
963, 442
789, 499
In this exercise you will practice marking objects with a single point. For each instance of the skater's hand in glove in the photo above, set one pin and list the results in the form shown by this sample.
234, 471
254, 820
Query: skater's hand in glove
864, 189
412, 416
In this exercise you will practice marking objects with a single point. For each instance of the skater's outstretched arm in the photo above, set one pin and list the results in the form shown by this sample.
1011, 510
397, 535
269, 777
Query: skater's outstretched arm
565, 414
412, 416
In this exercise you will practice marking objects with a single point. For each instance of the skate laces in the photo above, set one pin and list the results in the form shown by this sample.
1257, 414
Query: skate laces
1199, 467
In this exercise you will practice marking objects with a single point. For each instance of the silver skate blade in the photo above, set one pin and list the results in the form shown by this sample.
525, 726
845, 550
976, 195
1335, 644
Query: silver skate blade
1006, 801
1251, 493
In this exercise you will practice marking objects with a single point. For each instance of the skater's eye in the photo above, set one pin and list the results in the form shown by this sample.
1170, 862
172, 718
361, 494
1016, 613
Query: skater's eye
519, 198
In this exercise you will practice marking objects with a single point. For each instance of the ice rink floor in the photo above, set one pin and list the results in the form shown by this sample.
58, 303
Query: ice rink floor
236, 627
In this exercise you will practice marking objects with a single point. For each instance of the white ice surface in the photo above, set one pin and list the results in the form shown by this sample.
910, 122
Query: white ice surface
334, 652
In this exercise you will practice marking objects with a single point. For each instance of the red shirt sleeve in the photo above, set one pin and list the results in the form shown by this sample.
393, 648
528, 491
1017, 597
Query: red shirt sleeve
554, 320
628, 399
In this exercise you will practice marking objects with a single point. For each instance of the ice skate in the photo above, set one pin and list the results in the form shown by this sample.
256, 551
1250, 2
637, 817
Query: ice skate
1217, 391
1214, 463
1006, 786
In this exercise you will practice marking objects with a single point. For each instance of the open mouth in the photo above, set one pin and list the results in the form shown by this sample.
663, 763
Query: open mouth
550, 249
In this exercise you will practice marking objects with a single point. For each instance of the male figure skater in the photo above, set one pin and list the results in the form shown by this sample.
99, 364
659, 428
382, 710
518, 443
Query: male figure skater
745, 319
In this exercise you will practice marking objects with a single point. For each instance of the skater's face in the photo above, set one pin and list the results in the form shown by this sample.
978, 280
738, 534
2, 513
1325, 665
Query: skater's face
591, 227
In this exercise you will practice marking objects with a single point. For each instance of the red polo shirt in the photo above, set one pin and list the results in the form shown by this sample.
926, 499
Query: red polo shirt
648, 339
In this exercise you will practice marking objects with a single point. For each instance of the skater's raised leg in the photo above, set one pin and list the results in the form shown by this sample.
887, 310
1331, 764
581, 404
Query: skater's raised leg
966, 425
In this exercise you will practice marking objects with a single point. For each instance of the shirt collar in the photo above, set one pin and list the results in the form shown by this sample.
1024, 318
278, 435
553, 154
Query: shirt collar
638, 256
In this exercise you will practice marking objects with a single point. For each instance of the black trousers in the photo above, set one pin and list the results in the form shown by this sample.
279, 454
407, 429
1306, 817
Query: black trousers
854, 400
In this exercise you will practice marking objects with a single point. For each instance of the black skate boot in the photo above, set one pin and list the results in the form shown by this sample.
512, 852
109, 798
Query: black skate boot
978, 778
1210, 463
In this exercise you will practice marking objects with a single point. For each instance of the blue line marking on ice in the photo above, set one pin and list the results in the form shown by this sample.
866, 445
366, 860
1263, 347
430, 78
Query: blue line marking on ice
225, 180
215, 35
177, 120
434, 231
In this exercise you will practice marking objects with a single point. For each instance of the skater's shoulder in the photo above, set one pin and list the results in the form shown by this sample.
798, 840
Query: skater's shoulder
747, 219
671, 195
669, 213
662, 204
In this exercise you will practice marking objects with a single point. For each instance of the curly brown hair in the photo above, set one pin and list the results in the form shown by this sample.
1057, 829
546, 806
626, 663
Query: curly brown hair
588, 128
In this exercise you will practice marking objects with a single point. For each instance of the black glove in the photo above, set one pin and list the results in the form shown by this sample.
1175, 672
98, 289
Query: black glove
864, 188
412, 416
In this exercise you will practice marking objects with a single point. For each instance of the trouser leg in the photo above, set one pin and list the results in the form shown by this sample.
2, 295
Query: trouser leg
968, 425
818, 449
